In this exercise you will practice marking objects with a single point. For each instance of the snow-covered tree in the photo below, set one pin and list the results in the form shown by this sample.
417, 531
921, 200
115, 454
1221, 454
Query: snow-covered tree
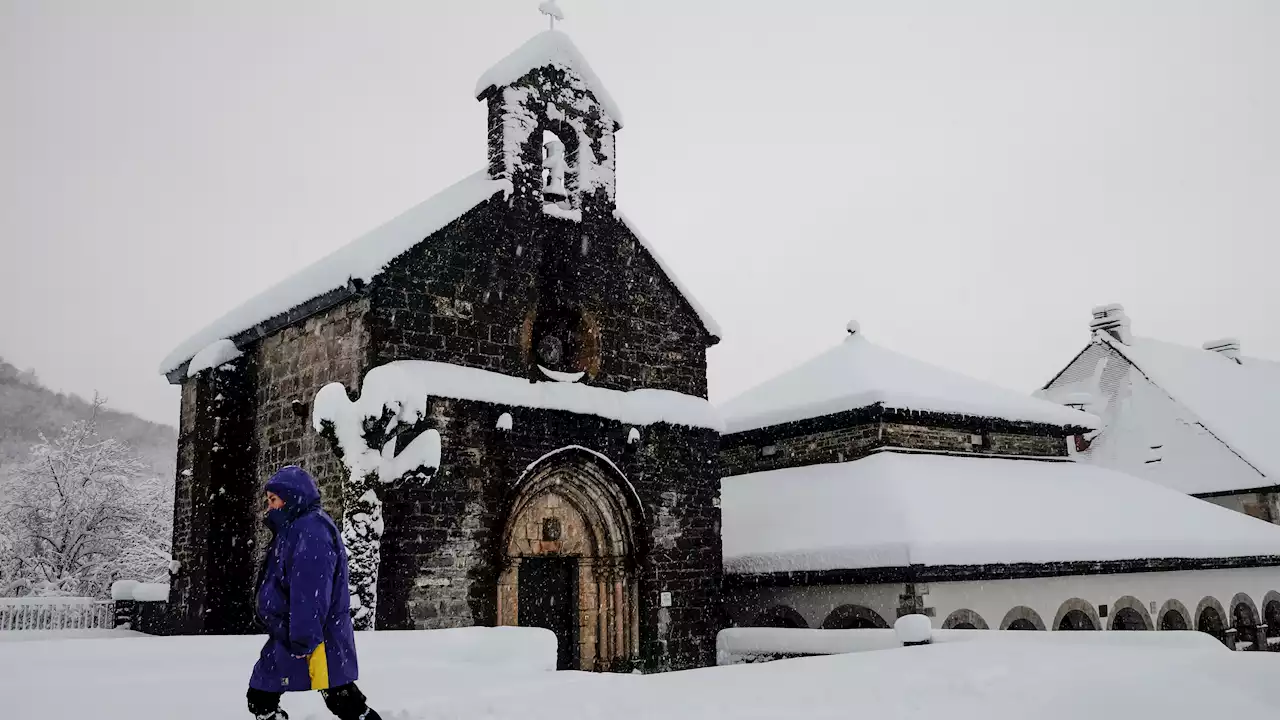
80, 514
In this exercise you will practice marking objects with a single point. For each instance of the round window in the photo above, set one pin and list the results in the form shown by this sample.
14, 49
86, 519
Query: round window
550, 350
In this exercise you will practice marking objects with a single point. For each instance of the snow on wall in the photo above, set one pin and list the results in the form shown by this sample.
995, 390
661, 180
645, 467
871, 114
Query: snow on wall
405, 387
896, 510
549, 48
359, 260
219, 352
1145, 431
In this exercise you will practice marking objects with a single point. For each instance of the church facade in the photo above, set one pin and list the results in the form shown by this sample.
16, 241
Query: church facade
502, 394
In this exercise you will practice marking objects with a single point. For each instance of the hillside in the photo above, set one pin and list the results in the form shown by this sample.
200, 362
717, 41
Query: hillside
28, 409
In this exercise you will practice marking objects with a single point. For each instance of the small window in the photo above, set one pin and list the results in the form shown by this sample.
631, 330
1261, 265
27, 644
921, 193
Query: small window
551, 529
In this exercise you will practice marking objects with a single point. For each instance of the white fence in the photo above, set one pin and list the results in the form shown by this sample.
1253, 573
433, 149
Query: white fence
55, 613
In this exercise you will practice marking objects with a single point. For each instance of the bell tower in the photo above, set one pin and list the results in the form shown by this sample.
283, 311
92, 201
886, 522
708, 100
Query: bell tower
551, 129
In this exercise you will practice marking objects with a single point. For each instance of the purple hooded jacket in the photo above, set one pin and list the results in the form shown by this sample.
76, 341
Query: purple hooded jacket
303, 599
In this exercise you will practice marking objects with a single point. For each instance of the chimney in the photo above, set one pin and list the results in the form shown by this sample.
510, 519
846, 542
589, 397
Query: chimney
1112, 319
1230, 347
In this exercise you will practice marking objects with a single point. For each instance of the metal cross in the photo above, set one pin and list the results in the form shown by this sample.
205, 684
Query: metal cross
552, 11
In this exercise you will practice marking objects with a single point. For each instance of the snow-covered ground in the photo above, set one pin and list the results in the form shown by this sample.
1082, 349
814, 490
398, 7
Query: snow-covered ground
502, 673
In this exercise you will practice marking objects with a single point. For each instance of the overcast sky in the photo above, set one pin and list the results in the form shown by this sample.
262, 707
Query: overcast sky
967, 183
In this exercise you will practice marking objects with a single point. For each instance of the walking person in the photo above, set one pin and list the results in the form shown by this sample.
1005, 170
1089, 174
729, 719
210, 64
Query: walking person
305, 605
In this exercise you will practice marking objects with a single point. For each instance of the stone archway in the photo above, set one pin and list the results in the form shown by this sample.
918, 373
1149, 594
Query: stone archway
1211, 619
779, 616
1174, 616
1022, 618
1244, 620
853, 617
964, 619
1128, 613
1077, 614
1271, 616
570, 557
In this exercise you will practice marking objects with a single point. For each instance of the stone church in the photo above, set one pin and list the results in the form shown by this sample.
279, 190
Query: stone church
502, 393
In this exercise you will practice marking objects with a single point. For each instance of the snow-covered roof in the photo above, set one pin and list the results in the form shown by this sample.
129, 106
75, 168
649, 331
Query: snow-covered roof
858, 373
899, 509
358, 260
550, 47
1237, 402
708, 322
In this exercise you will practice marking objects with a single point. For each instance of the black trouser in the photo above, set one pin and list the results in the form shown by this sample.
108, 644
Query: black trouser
345, 701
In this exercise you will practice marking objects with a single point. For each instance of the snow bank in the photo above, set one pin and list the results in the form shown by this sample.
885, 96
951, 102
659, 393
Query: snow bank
358, 260
554, 48
899, 509
734, 645
203, 678
16, 636
913, 629
744, 644
708, 322
858, 373
219, 352
123, 589
138, 677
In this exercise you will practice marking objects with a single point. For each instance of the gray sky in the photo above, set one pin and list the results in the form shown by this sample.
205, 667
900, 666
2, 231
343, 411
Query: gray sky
967, 183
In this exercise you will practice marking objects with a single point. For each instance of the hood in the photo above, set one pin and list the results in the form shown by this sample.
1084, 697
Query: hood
297, 488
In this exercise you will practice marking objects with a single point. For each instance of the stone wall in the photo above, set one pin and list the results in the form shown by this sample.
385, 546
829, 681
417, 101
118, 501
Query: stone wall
293, 365
214, 521
763, 450
442, 550
468, 296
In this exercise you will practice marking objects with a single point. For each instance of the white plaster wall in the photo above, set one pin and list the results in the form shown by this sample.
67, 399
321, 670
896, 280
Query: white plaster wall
993, 599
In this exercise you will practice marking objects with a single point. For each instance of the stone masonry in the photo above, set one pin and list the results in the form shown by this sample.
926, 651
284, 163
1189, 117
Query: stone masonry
870, 431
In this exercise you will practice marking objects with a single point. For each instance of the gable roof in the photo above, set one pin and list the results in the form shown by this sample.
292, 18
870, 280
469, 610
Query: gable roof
857, 373
359, 260
1237, 402
708, 322
896, 510
550, 47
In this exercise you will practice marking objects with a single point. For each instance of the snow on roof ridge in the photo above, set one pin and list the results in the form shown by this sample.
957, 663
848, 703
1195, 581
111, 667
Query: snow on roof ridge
707, 321
360, 259
858, 373
896, 509
549, 47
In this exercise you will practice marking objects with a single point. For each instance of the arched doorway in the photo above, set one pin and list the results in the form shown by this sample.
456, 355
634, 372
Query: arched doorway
853, 617
1022, 618
570, 543
1244, 616
1271, 615
1174, 616
1210, 621
1076, 620
964, 619
1077, 614
1128, 619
